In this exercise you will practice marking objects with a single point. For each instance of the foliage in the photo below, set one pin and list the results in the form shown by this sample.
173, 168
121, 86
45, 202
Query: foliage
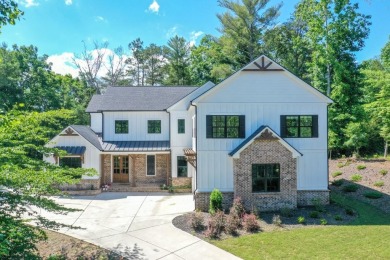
26, 179
301, 220
335, 174
9, 12
356, 177
383, 172
314, 214
276, 220
379, 183
350, 188
361, 167
216, 225
337, 183
233, 222
197, 220
373, 195
286, 212
338, 218
238, 208
349, 212
250, 223
323, 222
216, 199
318, 204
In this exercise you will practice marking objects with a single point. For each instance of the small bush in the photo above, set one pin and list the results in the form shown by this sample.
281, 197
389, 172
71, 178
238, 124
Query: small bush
361, 167
215, 201
379, 183
216, 225
335, 174
340, 164
373, 195
314, 214
356, 177
197, 220
350, 188
238, 207
250, 223
301, 220
349, 212
383, 172
286, 212
318, 204
338, 218
337, 183
233, 222
323, 222
276, 220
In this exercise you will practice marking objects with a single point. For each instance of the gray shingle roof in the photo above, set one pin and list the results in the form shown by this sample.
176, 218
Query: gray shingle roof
138, 98
73, 150
135, 146
88, 134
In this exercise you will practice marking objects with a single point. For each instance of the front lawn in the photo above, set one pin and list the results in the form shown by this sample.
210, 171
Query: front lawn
366, 237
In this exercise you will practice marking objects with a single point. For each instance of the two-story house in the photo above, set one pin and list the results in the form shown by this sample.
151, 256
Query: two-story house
261, 134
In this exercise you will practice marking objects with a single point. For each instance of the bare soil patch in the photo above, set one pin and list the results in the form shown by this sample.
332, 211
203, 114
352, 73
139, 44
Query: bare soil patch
373, 178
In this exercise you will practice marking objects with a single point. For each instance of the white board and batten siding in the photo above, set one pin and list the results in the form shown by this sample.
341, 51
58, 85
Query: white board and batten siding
262, 97
138, 126
96, 122
91, 155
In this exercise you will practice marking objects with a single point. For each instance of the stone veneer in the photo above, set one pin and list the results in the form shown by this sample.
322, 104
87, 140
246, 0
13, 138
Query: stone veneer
202, 200
306, 197
182, 181
266, 151
106, 168
84, 184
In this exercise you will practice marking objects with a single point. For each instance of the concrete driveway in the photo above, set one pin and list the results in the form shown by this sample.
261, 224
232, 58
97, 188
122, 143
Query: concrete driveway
136, 225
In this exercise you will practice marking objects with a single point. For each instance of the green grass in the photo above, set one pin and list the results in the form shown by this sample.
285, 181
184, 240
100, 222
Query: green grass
335, 174
356, 177
379, 183
363, 238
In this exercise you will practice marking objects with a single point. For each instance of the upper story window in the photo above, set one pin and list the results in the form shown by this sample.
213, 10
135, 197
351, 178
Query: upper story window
226, 126
121, 126
154, 126
265, 177
181, 126
299, 126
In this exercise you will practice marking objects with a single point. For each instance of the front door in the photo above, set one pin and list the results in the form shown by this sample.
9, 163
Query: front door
121, 169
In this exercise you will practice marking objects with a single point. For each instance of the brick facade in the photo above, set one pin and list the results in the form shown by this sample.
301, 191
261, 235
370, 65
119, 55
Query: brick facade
266, 151
306, 197
182, 181
84, 184
202, 200
106, 168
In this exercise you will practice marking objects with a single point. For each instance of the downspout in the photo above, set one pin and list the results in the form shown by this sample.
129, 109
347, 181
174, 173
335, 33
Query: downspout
196, 144
170, 150
327, 143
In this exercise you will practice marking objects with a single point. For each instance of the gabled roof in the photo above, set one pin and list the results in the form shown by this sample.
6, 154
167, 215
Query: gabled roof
267, 133
263, 64
88, 134
138, 98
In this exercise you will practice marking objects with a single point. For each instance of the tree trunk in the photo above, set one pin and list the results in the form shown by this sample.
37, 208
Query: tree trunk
386, 147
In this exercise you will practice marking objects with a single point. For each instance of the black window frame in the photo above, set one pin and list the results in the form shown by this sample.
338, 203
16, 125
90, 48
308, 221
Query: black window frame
152, 128
284, 127
148, 168
69, 161
217, 127
121, 126
182, 158
266, 181
181, 129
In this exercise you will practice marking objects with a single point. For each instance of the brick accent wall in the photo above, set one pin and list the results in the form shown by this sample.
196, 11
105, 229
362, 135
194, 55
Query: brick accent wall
306, 197
182, 181
202, 200
106, 174
163, 170
84, 184
263, 151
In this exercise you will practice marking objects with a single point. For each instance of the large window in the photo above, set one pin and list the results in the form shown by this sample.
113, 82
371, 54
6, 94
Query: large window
154, 126
265, 177
71, 162
299, 126
150, 165
181, 126
181, 167
121, 126
225, 126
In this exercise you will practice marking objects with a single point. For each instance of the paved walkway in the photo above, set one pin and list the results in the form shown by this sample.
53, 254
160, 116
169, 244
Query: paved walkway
138, 225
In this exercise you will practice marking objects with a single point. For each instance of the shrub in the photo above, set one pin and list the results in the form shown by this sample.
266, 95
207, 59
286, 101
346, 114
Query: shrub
318, 204
356, 177
340, 164
337, 183
215, 201
383, 172
350, 188
323, 222
250, 223
197, 220
276, 220
335, 174
314, 214
233, 222
349, 212
216, 225
361, 167
238, 208
379, 183
338, 218
301, 220
286, 212
373, 195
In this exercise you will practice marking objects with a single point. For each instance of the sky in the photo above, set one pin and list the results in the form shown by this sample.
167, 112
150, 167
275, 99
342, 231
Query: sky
59, 27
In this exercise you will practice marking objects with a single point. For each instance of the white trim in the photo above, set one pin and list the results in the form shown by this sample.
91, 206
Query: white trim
146, 165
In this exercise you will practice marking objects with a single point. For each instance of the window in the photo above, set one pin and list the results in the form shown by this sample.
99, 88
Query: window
181, 166
302, 126
181, 126
71, 162
121, 126
225, 126
151, 165
121, 164
265, 177
154, 126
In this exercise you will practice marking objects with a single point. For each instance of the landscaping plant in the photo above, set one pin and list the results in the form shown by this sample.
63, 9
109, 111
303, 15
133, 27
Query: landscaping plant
276, 220
215, 201
335, 174
250, 223
337, 183
379, 183
383, 172
373, 195
350, 188
301, 220
216, 225
356, 177
361, 167
197, 220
